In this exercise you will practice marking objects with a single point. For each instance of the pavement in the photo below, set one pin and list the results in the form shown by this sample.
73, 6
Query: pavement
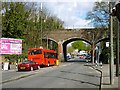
105, 82
106, 78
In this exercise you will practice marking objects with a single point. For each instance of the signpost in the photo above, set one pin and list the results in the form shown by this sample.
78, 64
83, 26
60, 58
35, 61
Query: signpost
107, 44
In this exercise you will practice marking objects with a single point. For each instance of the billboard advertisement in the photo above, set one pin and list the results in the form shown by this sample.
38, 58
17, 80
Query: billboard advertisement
10, 46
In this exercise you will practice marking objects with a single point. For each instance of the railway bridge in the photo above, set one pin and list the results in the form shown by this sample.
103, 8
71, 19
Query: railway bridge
65, 36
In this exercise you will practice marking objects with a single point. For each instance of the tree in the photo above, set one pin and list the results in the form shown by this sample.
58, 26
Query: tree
100, 19
88, 48
99, 16
70, 49
14, 19
78, 45
23, 20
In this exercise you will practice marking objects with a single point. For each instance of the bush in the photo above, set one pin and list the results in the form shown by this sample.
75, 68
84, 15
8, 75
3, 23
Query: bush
15, 57
105, 55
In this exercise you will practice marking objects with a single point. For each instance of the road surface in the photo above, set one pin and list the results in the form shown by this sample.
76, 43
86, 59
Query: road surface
74, 74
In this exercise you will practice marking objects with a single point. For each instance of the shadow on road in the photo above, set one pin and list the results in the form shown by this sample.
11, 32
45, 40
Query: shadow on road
79, 81
78, 60
81, 74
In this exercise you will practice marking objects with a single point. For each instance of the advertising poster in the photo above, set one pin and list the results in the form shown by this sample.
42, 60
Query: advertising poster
10, 46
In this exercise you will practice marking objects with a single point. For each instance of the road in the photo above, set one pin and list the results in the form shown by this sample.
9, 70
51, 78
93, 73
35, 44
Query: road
72, 75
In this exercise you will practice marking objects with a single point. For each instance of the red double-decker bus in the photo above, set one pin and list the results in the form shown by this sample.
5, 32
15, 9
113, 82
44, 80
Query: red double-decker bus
43, 56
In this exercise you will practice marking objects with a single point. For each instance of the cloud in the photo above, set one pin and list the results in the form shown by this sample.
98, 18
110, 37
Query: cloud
72, 13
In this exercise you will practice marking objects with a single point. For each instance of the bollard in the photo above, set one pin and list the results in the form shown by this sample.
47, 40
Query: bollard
2, 66
87, 61
16, 64
96, 63
100, 64
57, 63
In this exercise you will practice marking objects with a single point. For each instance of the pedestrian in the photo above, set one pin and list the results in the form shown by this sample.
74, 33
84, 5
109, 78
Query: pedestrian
9, 66
16, 64
2, 66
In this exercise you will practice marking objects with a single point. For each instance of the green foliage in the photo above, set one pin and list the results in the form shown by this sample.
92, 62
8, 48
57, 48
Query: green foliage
105, 55
88, 48
14, 20
70, 49
78, 45
15, 57
100, 19
25, 20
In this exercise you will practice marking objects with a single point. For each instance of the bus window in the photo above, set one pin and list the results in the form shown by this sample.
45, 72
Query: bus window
45, 55
50, 55
38, 52
33, 52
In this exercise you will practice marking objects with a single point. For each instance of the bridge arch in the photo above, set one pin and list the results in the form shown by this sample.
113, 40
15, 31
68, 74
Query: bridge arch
68, 41
103, 39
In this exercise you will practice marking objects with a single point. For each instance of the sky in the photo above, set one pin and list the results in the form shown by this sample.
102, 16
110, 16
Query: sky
72, 13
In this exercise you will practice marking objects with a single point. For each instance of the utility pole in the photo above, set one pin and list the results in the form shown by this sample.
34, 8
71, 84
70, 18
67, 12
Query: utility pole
116, 12
47, 41
93, 50
111, 47
41, 24
117, 49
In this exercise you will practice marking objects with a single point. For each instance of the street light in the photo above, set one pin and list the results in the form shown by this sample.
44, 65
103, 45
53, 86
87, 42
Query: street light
41, 24
47, 31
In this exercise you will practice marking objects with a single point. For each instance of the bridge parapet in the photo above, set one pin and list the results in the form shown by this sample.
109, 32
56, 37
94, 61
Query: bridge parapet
83, 34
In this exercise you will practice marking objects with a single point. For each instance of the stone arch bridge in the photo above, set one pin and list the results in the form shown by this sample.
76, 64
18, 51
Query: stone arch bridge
63, 37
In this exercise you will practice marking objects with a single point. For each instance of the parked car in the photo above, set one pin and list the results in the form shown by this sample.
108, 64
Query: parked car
82, 56
28, 65
72, 56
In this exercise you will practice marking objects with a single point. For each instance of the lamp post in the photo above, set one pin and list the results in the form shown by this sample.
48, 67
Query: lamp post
41, 24
47, 31
111, 46
116, 12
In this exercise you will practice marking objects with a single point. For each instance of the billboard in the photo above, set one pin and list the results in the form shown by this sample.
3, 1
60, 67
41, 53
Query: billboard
10, 46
